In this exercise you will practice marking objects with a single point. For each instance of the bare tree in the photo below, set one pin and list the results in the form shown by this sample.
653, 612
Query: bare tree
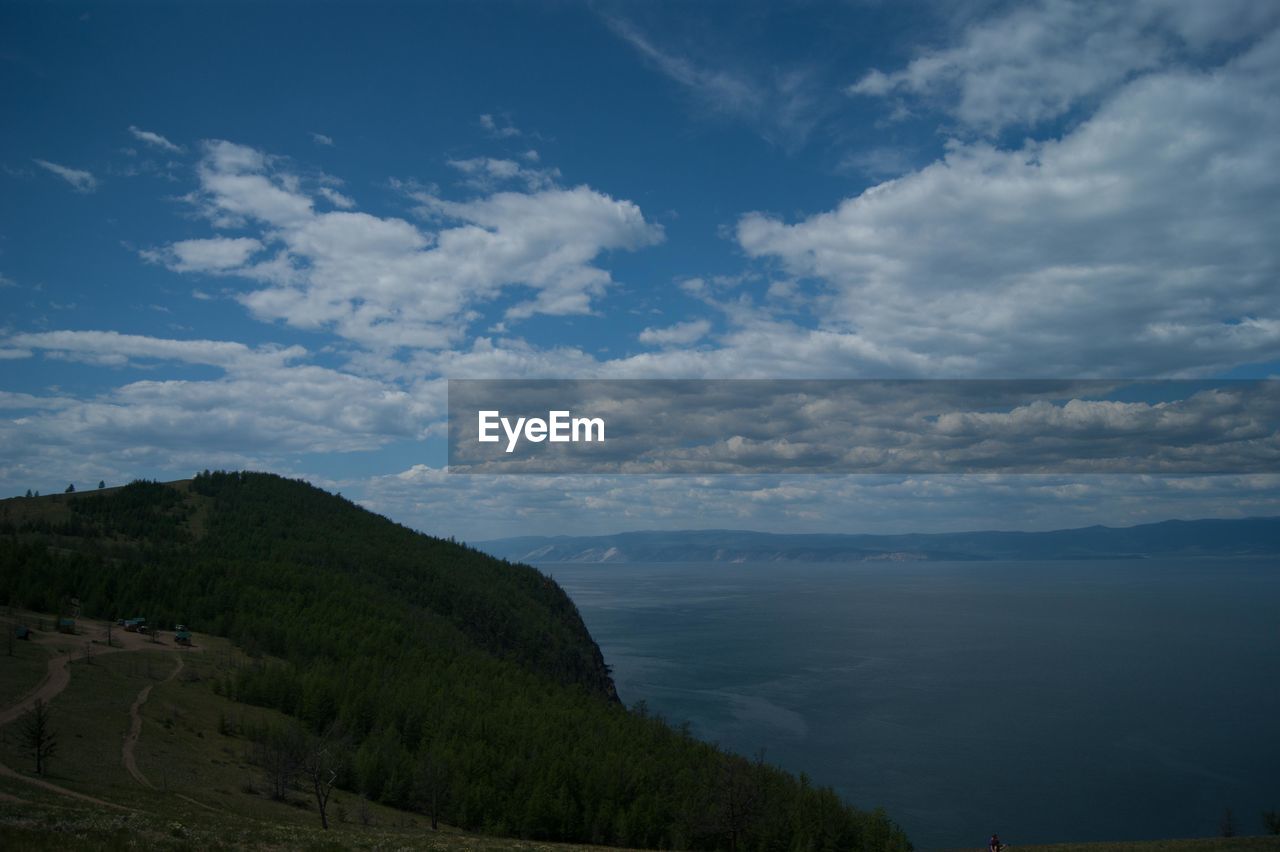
321, 759
1227, 825
279, 754
38, 736
1271, 819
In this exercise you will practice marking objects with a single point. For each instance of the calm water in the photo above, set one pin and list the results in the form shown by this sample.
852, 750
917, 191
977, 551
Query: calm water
1048, 701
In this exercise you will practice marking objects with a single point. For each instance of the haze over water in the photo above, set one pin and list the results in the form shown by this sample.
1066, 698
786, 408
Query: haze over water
1046, 700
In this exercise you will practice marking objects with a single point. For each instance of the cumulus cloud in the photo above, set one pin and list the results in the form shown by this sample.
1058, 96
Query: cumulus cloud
1141, 243
321, 139
220, 254
1031, 64
680, 334
80, 180
154, 139
486, 173
337, 199
267, 403
384, 282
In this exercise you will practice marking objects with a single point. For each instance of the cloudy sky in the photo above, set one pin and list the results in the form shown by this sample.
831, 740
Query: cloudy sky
241, 236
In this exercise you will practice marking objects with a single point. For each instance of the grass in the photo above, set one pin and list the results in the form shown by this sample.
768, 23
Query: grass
21, 672
192, 750
40, 826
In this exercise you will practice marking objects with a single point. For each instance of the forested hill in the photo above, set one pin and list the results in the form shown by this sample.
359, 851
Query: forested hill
437, 665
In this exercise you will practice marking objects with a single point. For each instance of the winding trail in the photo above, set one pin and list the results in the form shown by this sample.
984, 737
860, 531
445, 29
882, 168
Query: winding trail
56, 679
6, 772
135, 730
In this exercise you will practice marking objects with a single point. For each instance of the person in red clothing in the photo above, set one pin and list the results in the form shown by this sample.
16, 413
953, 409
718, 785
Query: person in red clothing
994, 845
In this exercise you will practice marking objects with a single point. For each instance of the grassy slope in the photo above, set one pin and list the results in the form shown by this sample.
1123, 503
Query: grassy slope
207, 795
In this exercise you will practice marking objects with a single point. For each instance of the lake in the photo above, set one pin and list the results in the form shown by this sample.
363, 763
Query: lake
1048, 701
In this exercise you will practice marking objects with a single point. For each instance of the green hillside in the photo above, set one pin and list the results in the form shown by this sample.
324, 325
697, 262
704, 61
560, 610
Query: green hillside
442, 679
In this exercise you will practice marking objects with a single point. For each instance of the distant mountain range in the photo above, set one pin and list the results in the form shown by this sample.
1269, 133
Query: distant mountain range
1212, 537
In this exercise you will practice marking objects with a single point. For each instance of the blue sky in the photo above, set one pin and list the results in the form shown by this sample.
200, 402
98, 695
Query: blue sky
264, 235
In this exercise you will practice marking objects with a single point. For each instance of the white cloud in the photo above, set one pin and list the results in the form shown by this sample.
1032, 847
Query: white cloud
80, 180
219, 254
1141, 243
384, 282
680, 334
154, 139
337, 199
499, 129
267, 403
783, 106
487, 173
1034, 63
321, 139
469, 507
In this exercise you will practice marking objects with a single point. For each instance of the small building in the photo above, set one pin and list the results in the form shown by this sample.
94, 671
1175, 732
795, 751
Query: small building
22, 632
66, 625
133, 625
182, 637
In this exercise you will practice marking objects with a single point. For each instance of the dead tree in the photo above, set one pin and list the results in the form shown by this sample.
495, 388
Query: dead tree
321, 759
38, 736
279, 754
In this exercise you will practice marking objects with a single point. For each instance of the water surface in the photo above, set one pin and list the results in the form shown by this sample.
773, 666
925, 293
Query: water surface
1046, 700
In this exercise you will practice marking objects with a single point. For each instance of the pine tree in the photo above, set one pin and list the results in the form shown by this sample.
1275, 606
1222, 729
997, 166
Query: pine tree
38, 737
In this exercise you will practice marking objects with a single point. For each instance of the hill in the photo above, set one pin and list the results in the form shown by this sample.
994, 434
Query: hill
440, 680
1211, 537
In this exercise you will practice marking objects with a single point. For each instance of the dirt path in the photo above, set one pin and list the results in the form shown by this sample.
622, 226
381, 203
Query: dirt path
197, 802
6, 772
56, 680
135, 730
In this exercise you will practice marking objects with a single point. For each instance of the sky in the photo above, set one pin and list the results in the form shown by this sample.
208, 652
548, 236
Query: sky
264, 236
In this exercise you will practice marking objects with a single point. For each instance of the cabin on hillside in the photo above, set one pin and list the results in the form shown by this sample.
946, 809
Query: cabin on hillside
182, 637
132, 624
66, 625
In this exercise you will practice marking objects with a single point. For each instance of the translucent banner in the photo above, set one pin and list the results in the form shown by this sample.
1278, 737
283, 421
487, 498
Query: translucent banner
863, 426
